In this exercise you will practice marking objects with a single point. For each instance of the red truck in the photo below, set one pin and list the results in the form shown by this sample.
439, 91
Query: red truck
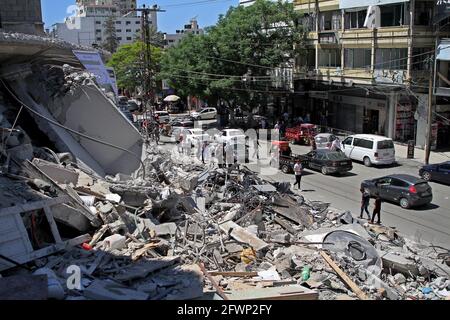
302, 134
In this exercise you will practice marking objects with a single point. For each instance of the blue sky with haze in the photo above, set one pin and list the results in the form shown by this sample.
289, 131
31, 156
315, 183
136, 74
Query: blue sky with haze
178, 13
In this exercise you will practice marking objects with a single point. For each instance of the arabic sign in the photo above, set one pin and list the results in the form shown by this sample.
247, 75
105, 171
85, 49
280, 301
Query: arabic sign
92, 61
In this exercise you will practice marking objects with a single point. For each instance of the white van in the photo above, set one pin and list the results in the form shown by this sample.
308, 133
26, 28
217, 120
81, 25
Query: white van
369, 148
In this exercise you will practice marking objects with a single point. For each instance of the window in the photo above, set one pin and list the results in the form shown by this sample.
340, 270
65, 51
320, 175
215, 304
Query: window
394, 15
119, 38
129, 38
99, 39
128, 30
137, 22
138, 30
321, 156
354, 20
98, 22
423, 13
399, 183
363, 143
357, 58
98, 30
391, 59
330, 20
119, 30
118, 22
348, 141
330, 58
128, 23
445, 167
385, 144
422, 58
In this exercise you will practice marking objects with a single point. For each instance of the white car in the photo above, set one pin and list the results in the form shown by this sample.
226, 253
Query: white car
231, 136
195, 135
205, 114
162, 116
369, 148
324, 140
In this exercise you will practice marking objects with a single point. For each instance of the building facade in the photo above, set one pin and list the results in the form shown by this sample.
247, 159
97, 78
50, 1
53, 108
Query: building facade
24, 16
171, 40
367, 65
87, 26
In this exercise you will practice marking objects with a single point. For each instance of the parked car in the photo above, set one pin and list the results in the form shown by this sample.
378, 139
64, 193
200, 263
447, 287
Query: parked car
369, 148
182, 122
439, 172
327, 161
324, 140
133, 105
302, 133
195, 135
232, 136
404, 189
162, 116
205, 114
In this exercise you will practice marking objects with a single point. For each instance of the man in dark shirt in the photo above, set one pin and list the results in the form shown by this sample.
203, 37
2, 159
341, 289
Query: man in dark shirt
377, 209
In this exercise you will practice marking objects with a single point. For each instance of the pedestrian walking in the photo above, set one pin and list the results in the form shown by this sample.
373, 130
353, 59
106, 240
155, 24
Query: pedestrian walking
365, 203
313, 144
204, 150
298, 169
377, 209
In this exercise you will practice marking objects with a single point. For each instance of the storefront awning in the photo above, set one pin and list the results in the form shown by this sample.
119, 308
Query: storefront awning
443, 51
349, 4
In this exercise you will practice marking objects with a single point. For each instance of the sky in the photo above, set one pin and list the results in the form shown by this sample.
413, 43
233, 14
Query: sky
178, 12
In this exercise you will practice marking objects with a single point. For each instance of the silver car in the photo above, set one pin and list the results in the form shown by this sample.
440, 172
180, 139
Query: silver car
324, 140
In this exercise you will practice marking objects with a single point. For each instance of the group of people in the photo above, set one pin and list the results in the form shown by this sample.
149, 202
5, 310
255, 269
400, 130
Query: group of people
365, 201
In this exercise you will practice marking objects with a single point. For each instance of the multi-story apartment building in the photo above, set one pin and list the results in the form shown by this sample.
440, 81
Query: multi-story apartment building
87, 26
171, 39
124, 6
369, 73
24, 16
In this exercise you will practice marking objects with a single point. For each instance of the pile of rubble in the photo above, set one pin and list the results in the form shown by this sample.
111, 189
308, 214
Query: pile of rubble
175, 230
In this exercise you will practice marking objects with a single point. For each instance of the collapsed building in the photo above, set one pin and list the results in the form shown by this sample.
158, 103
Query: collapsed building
87, 211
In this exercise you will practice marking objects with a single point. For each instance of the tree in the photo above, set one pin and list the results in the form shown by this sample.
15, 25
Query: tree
129, 67
156, 37
235, 59
111, 42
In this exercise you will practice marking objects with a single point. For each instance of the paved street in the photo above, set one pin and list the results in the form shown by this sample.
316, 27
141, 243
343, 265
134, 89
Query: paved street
431, 223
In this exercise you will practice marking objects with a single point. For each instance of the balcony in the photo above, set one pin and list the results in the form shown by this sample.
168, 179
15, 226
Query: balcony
308, 5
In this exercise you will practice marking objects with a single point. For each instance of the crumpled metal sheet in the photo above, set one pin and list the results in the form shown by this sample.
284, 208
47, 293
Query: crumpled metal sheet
353, 246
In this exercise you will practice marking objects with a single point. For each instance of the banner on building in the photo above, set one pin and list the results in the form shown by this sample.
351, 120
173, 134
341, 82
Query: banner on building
93, 63
373, 17
441, 10
351, 4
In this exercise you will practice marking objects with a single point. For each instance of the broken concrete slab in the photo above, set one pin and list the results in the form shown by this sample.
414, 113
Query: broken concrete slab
399, 263
57, 172
243, 236
165, 229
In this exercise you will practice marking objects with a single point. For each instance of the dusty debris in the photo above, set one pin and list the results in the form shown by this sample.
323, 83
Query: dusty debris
182, 231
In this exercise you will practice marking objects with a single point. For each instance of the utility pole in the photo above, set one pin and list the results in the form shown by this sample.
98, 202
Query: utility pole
431, 85
147, 84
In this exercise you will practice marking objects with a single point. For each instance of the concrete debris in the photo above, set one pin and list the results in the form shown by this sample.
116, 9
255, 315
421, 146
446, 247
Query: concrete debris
181, 230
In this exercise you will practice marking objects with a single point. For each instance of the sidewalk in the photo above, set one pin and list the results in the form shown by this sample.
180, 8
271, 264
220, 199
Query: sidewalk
401, 152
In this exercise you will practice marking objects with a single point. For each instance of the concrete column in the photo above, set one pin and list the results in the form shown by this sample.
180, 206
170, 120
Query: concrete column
421, 118
391, 106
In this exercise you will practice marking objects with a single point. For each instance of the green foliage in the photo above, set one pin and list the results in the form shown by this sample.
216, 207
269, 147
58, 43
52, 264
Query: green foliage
128, 65
260, 37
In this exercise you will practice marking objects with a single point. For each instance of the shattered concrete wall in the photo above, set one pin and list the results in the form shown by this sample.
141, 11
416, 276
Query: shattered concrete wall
24, 16
87, 110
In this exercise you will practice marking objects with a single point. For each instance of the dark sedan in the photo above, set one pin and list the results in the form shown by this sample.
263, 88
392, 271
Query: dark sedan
407, 190
327, 161
439, 172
